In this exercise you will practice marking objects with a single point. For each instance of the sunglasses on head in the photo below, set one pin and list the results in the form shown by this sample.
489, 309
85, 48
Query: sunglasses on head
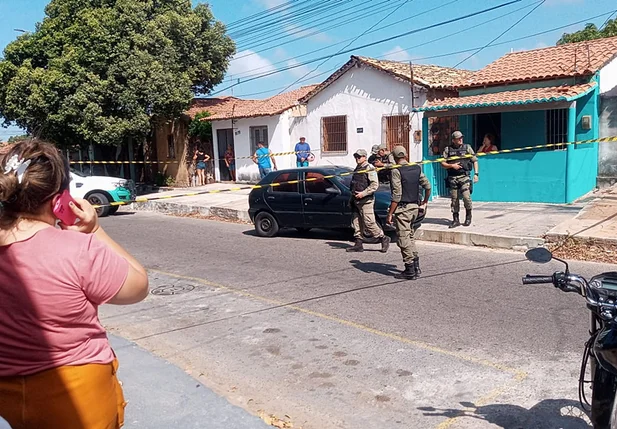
355, 155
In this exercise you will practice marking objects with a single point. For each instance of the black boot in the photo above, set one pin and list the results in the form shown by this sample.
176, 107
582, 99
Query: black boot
455, 221
408, 274
416, 263
356, 247
467, 218
385, 244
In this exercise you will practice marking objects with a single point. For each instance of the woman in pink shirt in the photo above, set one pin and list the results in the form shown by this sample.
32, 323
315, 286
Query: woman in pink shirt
57, 369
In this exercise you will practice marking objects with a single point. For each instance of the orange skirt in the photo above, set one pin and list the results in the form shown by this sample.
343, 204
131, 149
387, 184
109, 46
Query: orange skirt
68, 397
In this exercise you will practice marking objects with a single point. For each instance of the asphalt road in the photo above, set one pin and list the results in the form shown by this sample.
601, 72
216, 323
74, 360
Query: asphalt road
296, 326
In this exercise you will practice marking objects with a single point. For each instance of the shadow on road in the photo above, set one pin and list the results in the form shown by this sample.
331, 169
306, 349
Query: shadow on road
436, 221
314, 234
547, 414
374, 267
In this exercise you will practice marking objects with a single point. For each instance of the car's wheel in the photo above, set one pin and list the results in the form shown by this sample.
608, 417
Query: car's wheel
113, 210
266, 225
100, 199
303, 230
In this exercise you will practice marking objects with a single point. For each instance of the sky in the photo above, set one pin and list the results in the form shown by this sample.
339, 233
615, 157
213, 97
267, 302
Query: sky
297, 36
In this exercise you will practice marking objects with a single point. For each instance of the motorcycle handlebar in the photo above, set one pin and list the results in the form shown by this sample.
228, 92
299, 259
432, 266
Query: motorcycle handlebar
536, 280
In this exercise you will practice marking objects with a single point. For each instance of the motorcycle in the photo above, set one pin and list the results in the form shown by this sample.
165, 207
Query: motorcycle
601, 348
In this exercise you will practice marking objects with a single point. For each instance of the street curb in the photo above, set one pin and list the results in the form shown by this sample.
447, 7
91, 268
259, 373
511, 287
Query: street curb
475, 239
555, 238
459, 237
184, 209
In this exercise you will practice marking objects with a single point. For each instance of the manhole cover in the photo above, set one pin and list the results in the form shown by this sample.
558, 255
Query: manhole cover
172, 289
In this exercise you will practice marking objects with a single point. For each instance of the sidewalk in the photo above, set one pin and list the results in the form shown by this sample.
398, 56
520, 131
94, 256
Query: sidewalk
162, 396
497, 225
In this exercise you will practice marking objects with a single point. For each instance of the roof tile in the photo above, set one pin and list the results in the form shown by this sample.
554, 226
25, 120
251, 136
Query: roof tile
506, 98
232, 107
568, 60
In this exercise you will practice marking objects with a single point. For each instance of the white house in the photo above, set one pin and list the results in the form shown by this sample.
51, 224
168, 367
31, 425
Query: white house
241, 124
368, 102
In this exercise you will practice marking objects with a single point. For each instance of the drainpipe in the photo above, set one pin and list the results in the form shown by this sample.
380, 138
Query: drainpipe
570, 151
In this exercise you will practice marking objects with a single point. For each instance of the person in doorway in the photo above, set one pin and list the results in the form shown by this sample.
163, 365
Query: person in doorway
201, 158
488, 144
384, 161
57, 368
458, 180
363, 185
303, 151
264, 159
230, 162
404, 209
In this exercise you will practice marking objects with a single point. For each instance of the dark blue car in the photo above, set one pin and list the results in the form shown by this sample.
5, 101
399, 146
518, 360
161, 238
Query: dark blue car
312, 202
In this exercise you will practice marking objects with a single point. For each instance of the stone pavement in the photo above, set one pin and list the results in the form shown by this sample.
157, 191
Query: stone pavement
162, 396
517, 226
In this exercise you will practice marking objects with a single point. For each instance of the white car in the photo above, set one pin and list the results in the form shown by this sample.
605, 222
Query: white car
102, 190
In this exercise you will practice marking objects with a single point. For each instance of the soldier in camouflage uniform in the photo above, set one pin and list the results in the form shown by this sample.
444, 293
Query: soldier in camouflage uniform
405, 207
458, 179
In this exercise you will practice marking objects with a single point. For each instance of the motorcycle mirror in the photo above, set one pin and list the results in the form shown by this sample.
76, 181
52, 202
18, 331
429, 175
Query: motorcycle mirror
539, 255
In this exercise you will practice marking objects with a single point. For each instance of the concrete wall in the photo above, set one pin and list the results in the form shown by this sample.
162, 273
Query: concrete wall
278, 141
364, 95
179, 129
607, 157
608, 77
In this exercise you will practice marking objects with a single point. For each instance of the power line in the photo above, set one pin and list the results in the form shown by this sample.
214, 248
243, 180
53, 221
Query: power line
502, 33
407, 33
271, 11
330, 20
607, 20
347, 45
338, 26
464, 50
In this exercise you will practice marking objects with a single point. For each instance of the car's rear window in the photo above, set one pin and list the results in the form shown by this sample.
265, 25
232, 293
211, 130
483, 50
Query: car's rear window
283, 178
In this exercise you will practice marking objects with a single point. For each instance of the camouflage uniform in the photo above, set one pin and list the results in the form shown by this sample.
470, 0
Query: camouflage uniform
459, 181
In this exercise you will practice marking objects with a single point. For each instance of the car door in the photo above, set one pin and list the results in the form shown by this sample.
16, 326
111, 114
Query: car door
324, 203
284, 200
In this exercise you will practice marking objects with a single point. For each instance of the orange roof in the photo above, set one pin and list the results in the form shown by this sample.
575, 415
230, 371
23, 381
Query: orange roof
236, 108
429, 76
571, 59
509, 98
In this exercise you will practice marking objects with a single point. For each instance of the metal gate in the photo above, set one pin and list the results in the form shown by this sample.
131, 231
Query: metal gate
396, 131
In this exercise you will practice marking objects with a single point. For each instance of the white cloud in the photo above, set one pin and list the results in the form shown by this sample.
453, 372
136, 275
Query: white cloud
300, 71
270, 3
397, 54
246, 62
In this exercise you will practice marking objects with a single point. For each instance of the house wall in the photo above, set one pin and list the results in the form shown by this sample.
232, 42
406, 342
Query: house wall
364, 95
278, 141
607, 159
177, 169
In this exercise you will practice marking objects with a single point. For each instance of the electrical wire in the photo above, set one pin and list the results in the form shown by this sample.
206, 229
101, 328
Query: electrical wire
260, 15
464, 50
336, 26
407, 33
502, 33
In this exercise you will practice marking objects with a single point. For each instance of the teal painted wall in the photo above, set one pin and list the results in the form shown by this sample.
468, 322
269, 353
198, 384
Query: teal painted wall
583, 159
520, 129
522, 177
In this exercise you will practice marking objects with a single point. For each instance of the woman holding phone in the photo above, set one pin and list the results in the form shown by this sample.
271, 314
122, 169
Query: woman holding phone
57, 369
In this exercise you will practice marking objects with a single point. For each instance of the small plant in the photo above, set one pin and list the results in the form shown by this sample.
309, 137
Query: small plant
162, 179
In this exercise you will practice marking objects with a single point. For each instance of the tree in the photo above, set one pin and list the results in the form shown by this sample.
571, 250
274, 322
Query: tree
201, 129
97, 71
590, 32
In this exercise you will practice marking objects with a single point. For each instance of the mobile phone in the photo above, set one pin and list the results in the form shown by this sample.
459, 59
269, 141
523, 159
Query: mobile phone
63, 211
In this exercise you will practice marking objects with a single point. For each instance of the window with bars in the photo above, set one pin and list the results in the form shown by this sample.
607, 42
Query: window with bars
395, 131
557, 128
334, 134
258, 134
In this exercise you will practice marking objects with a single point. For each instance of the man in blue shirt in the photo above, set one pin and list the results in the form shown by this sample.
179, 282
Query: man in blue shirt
303, 150
262, 158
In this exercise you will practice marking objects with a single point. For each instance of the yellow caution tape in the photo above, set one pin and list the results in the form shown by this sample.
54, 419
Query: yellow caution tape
349, 173
177, 162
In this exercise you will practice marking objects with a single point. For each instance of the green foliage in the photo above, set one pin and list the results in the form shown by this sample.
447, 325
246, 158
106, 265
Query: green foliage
96, 71
201, 129
162, 179
16, 139
590, 32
